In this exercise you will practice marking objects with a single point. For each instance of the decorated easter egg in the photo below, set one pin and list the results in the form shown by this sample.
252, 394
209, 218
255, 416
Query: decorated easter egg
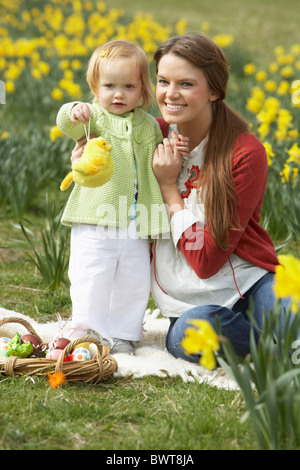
54, 354
82, 345
93, 349
4, 342
61, 343
81, 354
16, 348
38, 349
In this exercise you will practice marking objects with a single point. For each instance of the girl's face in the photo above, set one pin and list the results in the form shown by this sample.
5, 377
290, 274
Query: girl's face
182, 92
120, 86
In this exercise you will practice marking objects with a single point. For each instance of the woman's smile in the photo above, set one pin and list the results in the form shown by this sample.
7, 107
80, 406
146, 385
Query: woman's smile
174, 107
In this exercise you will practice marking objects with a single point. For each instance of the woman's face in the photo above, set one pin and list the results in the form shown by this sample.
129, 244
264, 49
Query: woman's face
182, 92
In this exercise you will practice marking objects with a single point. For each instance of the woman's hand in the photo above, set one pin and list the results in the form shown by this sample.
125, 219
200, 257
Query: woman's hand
78, 149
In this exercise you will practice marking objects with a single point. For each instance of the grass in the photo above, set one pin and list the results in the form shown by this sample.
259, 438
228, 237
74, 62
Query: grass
123, 414
22, 288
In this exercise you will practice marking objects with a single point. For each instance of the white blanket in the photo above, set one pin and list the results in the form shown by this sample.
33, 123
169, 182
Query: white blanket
150, 358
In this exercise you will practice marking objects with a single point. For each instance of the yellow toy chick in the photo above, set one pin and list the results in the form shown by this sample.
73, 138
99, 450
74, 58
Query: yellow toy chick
94, 168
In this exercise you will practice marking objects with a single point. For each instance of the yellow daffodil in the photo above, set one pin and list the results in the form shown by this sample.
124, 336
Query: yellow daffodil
10, 86
280, 134
273, 67
202, 340
36, 73
261, 75
258, 93
295, 173
293, 133
272, 103
253, 105
181, 27
285, 59
264, 130
270, 85
283, 88
287, 280
295, 49
55, 133
289, 174
64, 64
74, 25
287, 71
294, 153
284, 119
3, 63
249, 69
4, 135
267, 115
270, 153
13, 72
76, 64
224, 40
57, 94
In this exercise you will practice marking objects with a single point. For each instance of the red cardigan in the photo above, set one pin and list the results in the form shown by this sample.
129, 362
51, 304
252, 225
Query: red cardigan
252, 243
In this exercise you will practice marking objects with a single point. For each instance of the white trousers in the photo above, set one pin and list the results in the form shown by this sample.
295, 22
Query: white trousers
110, 280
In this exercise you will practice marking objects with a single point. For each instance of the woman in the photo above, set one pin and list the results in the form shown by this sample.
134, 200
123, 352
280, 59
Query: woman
217, 255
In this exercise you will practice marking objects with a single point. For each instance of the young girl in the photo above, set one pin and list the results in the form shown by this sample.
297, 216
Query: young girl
218, 255
109, 261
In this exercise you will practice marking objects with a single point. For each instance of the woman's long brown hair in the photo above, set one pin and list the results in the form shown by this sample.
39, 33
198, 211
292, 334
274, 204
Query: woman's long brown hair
215, 176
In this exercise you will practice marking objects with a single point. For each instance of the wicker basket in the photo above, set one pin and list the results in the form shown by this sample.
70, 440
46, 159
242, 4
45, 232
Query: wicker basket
95, 370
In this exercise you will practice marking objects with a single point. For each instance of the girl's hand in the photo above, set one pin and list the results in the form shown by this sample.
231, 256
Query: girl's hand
79, 148
167, 159
181, 143
80, 112
167, 163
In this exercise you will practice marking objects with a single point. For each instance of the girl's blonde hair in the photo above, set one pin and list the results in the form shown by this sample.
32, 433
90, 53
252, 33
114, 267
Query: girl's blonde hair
215, 175
120, 49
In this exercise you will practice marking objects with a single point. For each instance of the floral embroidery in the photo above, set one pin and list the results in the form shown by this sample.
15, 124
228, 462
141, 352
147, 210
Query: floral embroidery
191, 182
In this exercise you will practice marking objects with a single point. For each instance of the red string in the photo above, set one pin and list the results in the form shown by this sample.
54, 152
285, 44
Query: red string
241, 296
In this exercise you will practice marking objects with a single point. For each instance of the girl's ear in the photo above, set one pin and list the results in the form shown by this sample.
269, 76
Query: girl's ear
140, 102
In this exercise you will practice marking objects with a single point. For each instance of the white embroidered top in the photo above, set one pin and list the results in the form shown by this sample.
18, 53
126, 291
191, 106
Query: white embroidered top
174, 285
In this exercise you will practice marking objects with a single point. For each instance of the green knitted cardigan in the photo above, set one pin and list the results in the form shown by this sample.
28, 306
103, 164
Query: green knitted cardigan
133, 135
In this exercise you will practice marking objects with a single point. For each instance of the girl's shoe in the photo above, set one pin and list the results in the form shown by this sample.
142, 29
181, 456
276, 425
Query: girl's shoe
121, 346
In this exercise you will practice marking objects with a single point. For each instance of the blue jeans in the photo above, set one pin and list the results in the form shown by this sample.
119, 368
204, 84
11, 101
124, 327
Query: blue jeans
234, 323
